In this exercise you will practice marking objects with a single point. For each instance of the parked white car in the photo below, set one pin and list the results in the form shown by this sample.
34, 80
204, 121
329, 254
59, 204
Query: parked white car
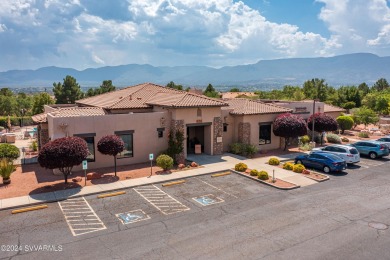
385, 140
348, 153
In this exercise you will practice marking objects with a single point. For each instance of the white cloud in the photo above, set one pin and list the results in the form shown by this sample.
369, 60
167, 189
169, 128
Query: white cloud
359, 25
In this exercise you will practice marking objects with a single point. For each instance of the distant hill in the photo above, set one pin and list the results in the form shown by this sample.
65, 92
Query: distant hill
338, 70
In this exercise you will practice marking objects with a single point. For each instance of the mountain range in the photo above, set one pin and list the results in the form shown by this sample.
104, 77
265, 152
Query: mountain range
349, 69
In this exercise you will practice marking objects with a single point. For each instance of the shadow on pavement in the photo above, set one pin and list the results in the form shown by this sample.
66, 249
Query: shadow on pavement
72, 188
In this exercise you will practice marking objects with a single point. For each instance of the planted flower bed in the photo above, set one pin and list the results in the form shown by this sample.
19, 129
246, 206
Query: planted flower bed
262, 176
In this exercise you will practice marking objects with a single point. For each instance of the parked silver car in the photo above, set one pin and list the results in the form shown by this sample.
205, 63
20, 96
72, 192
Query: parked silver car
385, 140
345, 152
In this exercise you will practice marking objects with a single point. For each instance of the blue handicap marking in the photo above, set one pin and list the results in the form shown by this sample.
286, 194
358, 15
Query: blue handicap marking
208, 200
132, 216
129, 217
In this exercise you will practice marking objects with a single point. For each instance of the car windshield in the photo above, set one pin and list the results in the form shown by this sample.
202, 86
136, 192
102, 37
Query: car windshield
333, 157
353, 151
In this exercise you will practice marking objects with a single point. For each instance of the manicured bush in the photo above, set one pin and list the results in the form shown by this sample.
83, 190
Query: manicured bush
263, 175
288, 166
194, 164
241, 167
363, 135
254, 172
345, 123
289, 126
344, 139
298, 168
334, 139
63, 153
9, 151
111, 145
273, 161
305, 139
164, 161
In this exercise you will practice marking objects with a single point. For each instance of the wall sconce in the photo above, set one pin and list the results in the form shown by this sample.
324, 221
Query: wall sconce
162, 121
63, 126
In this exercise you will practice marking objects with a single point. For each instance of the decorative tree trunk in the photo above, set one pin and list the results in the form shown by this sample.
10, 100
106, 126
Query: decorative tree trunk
115, 163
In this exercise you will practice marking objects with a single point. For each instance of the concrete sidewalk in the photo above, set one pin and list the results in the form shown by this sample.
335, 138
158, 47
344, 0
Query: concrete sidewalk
210, 164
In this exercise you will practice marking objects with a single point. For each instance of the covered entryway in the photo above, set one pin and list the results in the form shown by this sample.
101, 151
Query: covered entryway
199, 138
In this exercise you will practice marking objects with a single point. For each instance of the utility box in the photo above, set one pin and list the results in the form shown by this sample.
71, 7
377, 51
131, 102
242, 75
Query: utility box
198, 149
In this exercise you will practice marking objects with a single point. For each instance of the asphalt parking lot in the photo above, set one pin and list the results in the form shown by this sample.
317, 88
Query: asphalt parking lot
226, 217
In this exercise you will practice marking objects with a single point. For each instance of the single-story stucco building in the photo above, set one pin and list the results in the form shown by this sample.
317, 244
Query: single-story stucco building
144, 115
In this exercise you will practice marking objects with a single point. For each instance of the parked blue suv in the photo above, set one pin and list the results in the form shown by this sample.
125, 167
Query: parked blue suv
373, 149
323, 161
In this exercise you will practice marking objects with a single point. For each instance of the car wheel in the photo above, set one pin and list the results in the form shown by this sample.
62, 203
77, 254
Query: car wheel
373, 155
326, 169
299, 162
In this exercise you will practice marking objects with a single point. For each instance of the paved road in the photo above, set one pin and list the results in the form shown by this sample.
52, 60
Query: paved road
346, 217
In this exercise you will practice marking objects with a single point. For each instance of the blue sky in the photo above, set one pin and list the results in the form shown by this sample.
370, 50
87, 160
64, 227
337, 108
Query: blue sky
89, 33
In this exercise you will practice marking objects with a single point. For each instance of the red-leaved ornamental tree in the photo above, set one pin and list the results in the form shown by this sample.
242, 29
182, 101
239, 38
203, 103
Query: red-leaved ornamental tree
289, 126
63, 153
322, 123
111, 145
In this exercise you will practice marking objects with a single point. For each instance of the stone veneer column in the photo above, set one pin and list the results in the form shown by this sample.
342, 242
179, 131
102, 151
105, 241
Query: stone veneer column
43, 135
218, 127
178, 125
244, 133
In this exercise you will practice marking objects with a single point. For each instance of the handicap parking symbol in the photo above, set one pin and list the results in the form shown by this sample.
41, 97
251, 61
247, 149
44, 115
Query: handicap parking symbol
208, 200
132, 216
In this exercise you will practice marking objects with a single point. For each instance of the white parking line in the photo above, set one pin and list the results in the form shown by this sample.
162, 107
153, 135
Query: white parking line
80, 217
216, 188
161, 200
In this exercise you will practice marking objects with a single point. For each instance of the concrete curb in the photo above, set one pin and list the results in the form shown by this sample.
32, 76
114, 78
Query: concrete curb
267, 183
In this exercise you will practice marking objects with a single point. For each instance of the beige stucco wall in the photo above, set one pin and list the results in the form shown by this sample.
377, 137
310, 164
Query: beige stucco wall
308, 107
145, 139
190, 116
254, 120
333, 114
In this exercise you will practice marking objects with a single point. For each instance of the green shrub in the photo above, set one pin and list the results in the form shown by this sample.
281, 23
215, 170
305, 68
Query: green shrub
250, 150
263, 175
298, 168
236, 148
9, 151
6, 168
254, 172
288, 166
243, 149
363, 135
241, 167
345, 139
305, 147
334, 139
164, 161
305, 139
34, 146
273, 161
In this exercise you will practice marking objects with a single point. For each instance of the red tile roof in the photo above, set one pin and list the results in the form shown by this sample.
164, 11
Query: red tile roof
243, 106
147, 94
69, 112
